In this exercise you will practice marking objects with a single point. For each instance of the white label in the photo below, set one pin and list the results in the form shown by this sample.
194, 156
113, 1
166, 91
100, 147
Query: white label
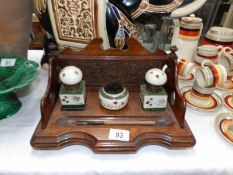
7, 62
118, 134
72, 99
159, 101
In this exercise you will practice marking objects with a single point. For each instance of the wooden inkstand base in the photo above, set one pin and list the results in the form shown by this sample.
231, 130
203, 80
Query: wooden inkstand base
91, 126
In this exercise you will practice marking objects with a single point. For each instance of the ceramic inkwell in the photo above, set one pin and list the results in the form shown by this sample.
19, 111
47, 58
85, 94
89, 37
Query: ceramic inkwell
73, 91
113, 96
153, 95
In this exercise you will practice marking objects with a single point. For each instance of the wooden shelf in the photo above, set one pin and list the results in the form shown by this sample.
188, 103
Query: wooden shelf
58, 128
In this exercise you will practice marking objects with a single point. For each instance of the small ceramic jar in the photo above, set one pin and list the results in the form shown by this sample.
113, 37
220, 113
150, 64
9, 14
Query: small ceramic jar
219, 36
206, 52
113, 96
73, 90
153, 96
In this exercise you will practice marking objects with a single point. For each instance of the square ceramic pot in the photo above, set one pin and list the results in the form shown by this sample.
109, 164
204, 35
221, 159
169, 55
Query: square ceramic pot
73, 100
153, 101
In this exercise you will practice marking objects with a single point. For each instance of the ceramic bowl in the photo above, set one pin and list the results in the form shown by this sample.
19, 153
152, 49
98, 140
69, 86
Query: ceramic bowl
113, 96
224, 125
219, 36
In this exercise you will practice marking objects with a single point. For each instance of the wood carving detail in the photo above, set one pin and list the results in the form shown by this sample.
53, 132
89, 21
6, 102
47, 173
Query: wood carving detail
128, 72
75, 20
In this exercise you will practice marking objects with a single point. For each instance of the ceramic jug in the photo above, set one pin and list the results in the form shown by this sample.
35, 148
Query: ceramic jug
186, 36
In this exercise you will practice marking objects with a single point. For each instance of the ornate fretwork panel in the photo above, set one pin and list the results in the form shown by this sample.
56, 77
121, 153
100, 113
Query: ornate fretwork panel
74, 20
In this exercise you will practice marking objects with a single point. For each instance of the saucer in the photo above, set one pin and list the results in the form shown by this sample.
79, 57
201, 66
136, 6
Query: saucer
190, 78
224, 126
214, 104
228, 101
228, 85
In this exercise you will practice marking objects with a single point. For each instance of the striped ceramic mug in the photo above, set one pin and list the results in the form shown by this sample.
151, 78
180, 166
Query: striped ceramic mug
226, 59
201, 93
210, 75
206, 52
184, 67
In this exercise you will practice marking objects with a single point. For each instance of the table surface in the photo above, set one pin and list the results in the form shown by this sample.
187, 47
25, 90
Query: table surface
211, 154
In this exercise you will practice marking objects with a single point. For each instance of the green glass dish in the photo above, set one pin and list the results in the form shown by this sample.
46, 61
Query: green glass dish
14, 77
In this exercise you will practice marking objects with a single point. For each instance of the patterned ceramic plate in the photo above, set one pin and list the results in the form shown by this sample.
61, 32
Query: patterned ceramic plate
224, 125
189, 78
228, 85
214, 104
228, 100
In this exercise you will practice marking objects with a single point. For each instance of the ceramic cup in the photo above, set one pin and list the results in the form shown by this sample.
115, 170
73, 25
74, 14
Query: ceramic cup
113, 96
201, 95
226, 59
211, 75
206, 52
184, 67
219, 36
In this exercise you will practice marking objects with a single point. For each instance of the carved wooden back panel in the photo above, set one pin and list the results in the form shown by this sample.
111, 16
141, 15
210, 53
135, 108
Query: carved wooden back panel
126, 67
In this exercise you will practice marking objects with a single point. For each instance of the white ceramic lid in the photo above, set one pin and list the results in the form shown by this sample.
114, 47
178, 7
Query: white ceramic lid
70, 75
221, 34
207, 50
191, 22
156, 77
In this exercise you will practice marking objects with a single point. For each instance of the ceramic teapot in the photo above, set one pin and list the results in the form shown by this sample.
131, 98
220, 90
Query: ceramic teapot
74, 23
186, 36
